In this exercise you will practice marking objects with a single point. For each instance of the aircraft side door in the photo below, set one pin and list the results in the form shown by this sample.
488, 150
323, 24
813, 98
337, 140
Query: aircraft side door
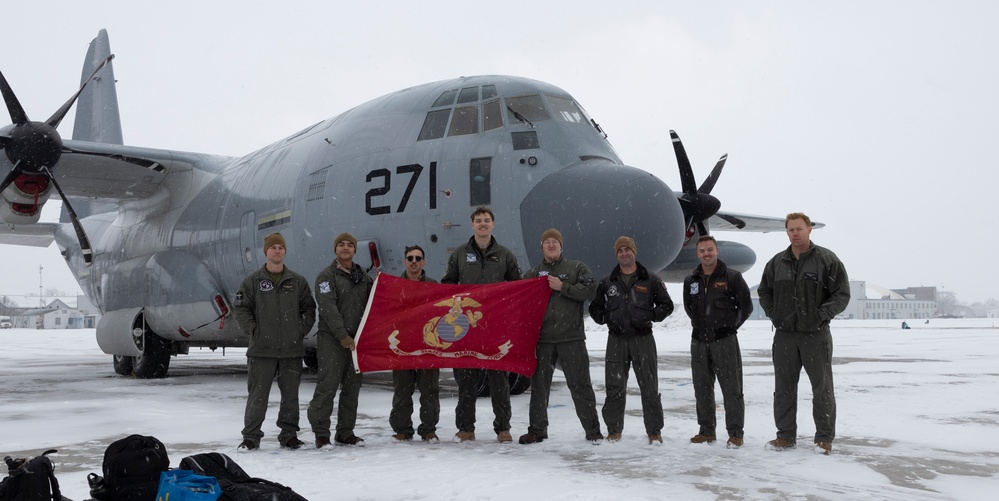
248, 243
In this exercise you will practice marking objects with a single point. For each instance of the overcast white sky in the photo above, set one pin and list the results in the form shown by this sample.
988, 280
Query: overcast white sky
876, 118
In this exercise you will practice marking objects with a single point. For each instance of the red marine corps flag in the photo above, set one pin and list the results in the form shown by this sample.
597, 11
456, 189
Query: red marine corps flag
420, 325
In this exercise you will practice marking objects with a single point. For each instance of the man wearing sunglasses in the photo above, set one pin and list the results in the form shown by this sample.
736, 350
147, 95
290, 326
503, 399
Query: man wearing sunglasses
404, 382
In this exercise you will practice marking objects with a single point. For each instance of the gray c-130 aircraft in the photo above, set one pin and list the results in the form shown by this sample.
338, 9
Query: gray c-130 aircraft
160, 240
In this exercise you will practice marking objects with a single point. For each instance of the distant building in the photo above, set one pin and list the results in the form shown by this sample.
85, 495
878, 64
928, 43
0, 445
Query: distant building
91, 315
56, 315
876, 302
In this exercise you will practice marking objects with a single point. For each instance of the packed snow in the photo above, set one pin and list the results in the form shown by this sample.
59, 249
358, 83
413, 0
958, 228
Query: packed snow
918, 418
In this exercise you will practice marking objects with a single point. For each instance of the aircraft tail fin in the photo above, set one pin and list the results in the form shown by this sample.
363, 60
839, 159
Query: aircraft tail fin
97, 117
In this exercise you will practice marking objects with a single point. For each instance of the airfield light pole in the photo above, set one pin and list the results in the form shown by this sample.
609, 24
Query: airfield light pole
41, 299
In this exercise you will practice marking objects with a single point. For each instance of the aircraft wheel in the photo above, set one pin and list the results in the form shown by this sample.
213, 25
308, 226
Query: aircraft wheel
155, 358
519, 383
122, 364
483, 386
311, 360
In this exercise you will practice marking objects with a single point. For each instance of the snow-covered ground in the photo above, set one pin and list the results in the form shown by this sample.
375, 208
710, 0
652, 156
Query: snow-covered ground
918, 419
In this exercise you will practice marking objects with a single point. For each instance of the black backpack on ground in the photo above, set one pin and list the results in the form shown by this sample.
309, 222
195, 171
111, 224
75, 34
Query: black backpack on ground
236, 484
214, 464
30, 479
132, 468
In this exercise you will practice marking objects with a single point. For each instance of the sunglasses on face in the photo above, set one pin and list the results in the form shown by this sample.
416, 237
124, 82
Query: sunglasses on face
414, 259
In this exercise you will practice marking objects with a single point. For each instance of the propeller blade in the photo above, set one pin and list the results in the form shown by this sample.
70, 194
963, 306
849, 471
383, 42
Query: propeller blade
57, 117
709, 182
738, 223
687, 182
702, 230
14, 172
81, 235
17, 114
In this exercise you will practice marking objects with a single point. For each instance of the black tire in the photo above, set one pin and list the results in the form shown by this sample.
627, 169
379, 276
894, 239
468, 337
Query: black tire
155, 358
519, 383
311, 360
483, 386
122, 364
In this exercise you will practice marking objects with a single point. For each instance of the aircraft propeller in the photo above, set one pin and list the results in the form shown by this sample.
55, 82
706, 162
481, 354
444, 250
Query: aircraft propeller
34, 148
697, 203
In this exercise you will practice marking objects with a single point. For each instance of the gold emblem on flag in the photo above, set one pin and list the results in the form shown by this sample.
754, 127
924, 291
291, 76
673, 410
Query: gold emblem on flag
443, 331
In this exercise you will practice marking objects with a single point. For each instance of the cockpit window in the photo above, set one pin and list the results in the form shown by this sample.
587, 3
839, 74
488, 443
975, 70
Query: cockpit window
468, 95
489, 91
492, 117
566, 110
446, 99
435, 124
465, 121
530, 108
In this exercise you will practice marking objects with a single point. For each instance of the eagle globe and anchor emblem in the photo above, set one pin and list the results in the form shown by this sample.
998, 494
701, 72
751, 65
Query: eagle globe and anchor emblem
441, 332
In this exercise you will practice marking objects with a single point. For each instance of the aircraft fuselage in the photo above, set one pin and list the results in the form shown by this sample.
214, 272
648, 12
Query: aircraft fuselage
404, 169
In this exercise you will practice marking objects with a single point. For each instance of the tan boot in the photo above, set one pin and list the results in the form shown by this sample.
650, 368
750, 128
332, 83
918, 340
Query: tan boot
464, 436
703, 439
780, 444
504, 437
613, 437
734, 442
655, 439
823, 447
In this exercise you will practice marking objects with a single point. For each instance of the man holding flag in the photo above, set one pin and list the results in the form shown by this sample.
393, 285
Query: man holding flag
482, 261
405, 381
342, 290
563, 339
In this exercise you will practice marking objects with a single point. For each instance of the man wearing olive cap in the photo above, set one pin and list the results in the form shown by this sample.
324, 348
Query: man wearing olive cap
275, 308
628, 301
342, 290
562, 340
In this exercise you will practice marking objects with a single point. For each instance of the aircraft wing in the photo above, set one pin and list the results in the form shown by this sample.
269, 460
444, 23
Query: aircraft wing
733, 221
32, 235
116, 172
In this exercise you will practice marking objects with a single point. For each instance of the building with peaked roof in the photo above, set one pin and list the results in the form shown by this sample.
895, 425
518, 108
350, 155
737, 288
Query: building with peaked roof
871, 301
55, 315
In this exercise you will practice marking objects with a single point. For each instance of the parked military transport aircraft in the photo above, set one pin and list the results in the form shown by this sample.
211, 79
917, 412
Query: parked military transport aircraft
160, 240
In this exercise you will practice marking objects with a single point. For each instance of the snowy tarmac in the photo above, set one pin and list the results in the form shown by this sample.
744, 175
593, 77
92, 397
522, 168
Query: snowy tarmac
918, 418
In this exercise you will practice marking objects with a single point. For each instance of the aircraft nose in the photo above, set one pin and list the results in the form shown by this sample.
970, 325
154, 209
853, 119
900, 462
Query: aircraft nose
593, 203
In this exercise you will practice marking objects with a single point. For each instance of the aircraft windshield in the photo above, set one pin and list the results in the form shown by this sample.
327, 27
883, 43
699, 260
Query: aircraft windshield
566, 110
459, 115
530, 108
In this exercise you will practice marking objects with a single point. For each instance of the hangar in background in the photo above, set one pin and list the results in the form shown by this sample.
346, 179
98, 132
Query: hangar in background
871, 301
